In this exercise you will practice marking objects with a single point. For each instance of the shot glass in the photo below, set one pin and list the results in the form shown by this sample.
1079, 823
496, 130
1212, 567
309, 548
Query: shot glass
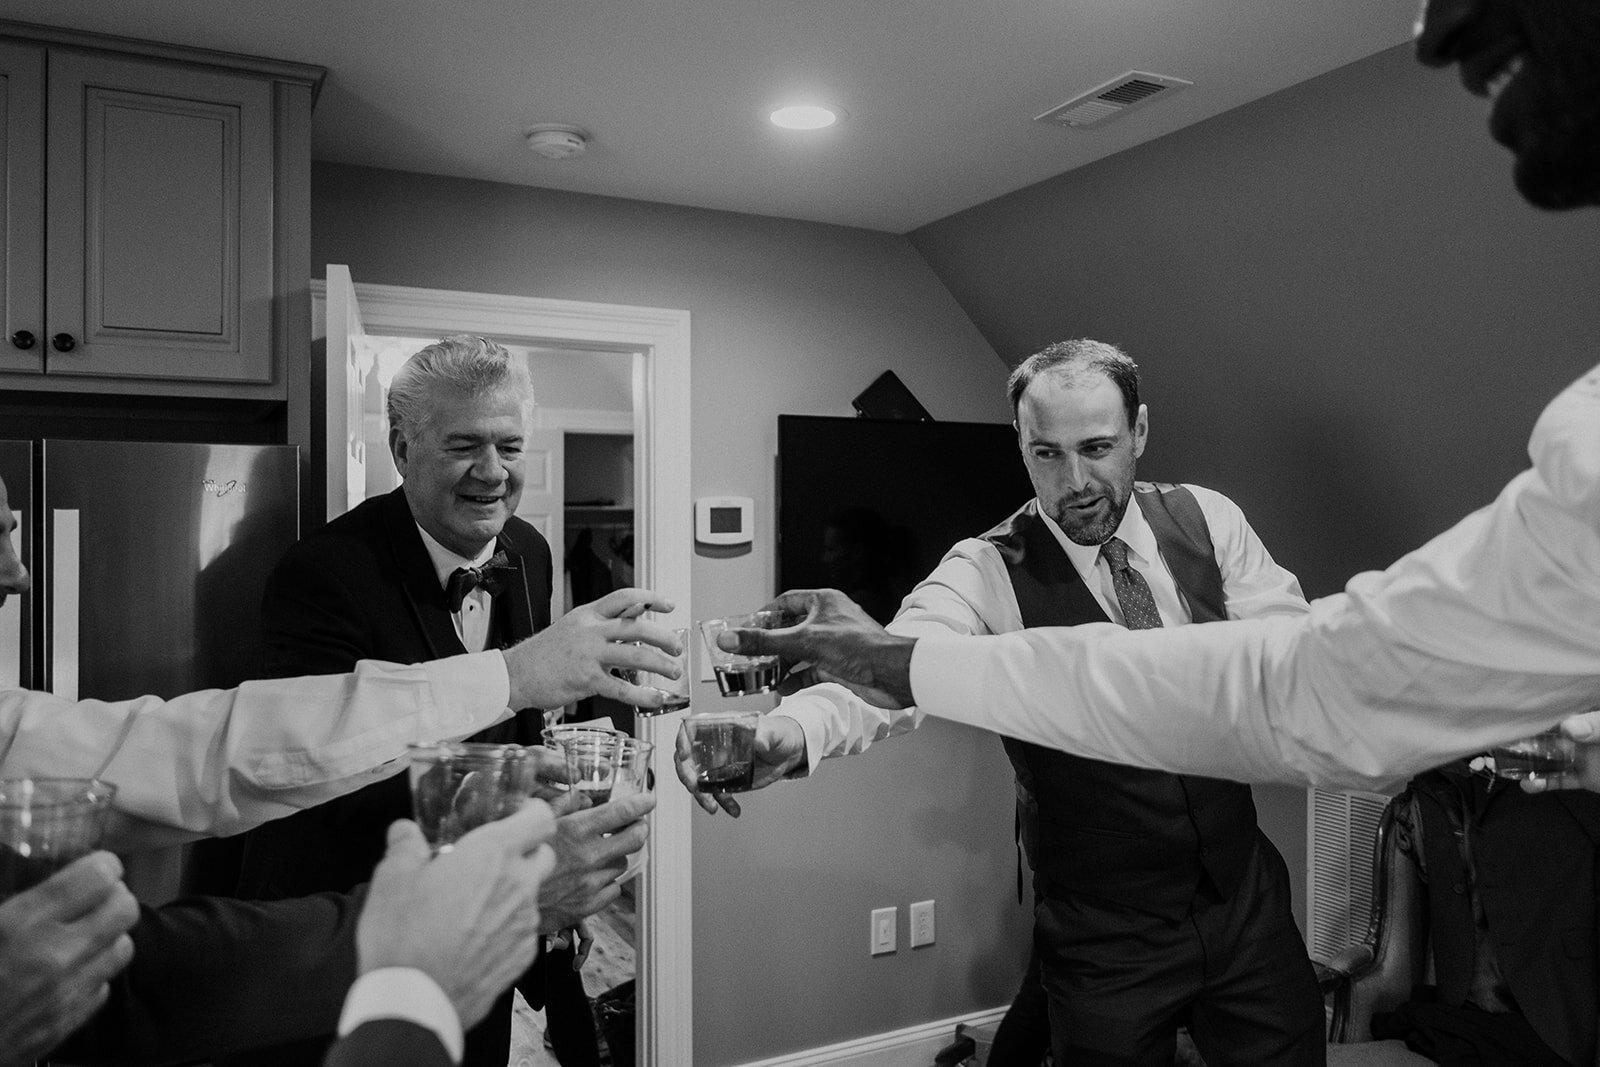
737, 674
592, 762
675, 691
1544, 755
457, 787
633, 767
45, 824
722, 745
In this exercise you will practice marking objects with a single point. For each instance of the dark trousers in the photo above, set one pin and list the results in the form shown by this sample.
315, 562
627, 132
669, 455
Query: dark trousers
1235, 972
1023, 1036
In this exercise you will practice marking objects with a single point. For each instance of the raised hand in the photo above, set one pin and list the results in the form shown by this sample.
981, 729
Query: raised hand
780, 747
61, 942
468, 918
574, 656
832, 640
592, 847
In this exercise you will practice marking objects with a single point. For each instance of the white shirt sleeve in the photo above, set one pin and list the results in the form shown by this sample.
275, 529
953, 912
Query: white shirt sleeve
403, 993
1486, 633
219, 762
1254, 585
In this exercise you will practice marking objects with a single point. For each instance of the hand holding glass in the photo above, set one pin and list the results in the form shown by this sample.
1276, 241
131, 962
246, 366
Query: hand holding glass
722, 747
45, 824
1544, 755
459, 787
738, 674
674, 691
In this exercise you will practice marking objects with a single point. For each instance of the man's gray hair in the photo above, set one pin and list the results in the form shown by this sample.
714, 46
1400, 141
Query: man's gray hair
475, 366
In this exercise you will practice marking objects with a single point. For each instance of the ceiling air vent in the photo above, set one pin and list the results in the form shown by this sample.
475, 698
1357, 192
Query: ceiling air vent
1116, 97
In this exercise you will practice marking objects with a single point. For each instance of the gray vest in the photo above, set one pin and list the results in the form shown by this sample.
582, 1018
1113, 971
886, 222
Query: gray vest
1146, 839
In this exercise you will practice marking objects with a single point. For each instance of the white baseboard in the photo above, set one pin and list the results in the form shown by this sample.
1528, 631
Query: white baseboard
914, 1046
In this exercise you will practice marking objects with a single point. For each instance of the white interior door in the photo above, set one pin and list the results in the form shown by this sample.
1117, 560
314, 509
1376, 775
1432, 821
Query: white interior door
659, 339
349, 363
543, 474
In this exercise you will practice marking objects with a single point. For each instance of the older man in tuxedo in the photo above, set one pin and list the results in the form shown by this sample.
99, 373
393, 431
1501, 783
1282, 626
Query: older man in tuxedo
438, 567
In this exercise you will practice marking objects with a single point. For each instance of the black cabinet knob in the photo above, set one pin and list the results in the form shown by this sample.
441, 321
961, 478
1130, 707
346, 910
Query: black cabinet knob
22, 339
63, 342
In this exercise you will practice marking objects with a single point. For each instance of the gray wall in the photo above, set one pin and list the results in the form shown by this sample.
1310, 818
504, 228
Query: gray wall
794, 318
1347, 319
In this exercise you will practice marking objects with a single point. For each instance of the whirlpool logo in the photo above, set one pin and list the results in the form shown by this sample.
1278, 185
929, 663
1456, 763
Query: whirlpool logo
217, 488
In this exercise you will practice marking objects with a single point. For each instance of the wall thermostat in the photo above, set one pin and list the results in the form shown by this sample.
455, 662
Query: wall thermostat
725, 520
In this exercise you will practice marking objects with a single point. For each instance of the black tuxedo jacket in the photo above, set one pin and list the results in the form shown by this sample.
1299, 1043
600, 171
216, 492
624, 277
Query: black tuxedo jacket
363, 587
393, 1042
213, 976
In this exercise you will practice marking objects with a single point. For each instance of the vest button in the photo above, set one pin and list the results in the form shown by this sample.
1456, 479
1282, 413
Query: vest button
1458, 888
1204, 852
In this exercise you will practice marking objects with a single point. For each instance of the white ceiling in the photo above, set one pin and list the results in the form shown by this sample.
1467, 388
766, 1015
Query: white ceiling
941, 94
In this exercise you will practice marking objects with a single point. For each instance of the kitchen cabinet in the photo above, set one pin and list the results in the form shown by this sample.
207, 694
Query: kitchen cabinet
157, 231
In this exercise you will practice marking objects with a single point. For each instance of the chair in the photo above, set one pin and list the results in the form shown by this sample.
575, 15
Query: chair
1379, 973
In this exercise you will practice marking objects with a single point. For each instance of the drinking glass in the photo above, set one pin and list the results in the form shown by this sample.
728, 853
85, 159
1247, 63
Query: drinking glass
738, 674
1544, 755
457, 787
45, 824
633, 767
674, 690
592, 762
722, 745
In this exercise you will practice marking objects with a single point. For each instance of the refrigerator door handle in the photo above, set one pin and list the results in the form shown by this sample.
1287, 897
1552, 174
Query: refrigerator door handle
66, 565
11, 631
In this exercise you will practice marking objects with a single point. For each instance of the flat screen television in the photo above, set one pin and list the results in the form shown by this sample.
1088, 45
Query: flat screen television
870, 506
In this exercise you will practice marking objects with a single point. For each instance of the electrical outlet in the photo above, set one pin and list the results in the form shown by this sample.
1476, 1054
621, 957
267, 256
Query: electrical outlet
921, 923
883, 928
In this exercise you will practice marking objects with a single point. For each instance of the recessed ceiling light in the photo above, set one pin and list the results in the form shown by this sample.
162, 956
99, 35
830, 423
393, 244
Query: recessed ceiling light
804, 117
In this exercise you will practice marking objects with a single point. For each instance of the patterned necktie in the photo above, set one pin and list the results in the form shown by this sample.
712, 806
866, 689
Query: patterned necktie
1133, 592
492, 577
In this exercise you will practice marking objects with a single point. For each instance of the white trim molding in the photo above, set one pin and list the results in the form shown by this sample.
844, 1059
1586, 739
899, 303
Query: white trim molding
913, 1046
659, 340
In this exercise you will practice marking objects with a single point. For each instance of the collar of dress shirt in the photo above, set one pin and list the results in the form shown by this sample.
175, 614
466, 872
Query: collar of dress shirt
1134, 531
445, 561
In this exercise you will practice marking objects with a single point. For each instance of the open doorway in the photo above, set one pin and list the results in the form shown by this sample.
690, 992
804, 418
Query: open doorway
654, 345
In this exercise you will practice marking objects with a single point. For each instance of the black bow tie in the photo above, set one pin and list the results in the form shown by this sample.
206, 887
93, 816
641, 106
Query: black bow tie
493, 577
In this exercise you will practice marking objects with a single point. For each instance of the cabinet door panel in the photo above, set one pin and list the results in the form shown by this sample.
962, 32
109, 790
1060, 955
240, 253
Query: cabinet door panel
159, 220
22, 205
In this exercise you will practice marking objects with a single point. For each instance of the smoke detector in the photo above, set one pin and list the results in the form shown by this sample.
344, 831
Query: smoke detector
1112, 100
557, 140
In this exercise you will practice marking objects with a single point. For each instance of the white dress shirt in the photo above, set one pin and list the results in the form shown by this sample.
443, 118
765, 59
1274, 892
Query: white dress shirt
472, 621
970, 592
1488, 632
219, 762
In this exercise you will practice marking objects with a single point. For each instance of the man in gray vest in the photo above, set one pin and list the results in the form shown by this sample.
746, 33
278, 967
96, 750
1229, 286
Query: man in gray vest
1158, 902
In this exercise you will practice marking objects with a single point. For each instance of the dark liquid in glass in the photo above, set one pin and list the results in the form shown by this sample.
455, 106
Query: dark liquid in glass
597, 792
728, 778
747, 676
1520, 765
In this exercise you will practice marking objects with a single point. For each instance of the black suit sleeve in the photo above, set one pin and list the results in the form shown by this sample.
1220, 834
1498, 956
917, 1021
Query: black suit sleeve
312, 620
393, 1042
212, 976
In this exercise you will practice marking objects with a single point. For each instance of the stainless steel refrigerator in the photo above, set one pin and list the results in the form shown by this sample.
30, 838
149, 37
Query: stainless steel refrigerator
148, 562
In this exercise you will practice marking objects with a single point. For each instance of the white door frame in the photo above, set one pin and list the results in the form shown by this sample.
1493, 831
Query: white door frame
659, 339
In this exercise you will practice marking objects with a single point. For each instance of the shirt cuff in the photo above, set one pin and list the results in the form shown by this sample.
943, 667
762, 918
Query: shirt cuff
815, 731
403, 993
475, 688
947, 676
